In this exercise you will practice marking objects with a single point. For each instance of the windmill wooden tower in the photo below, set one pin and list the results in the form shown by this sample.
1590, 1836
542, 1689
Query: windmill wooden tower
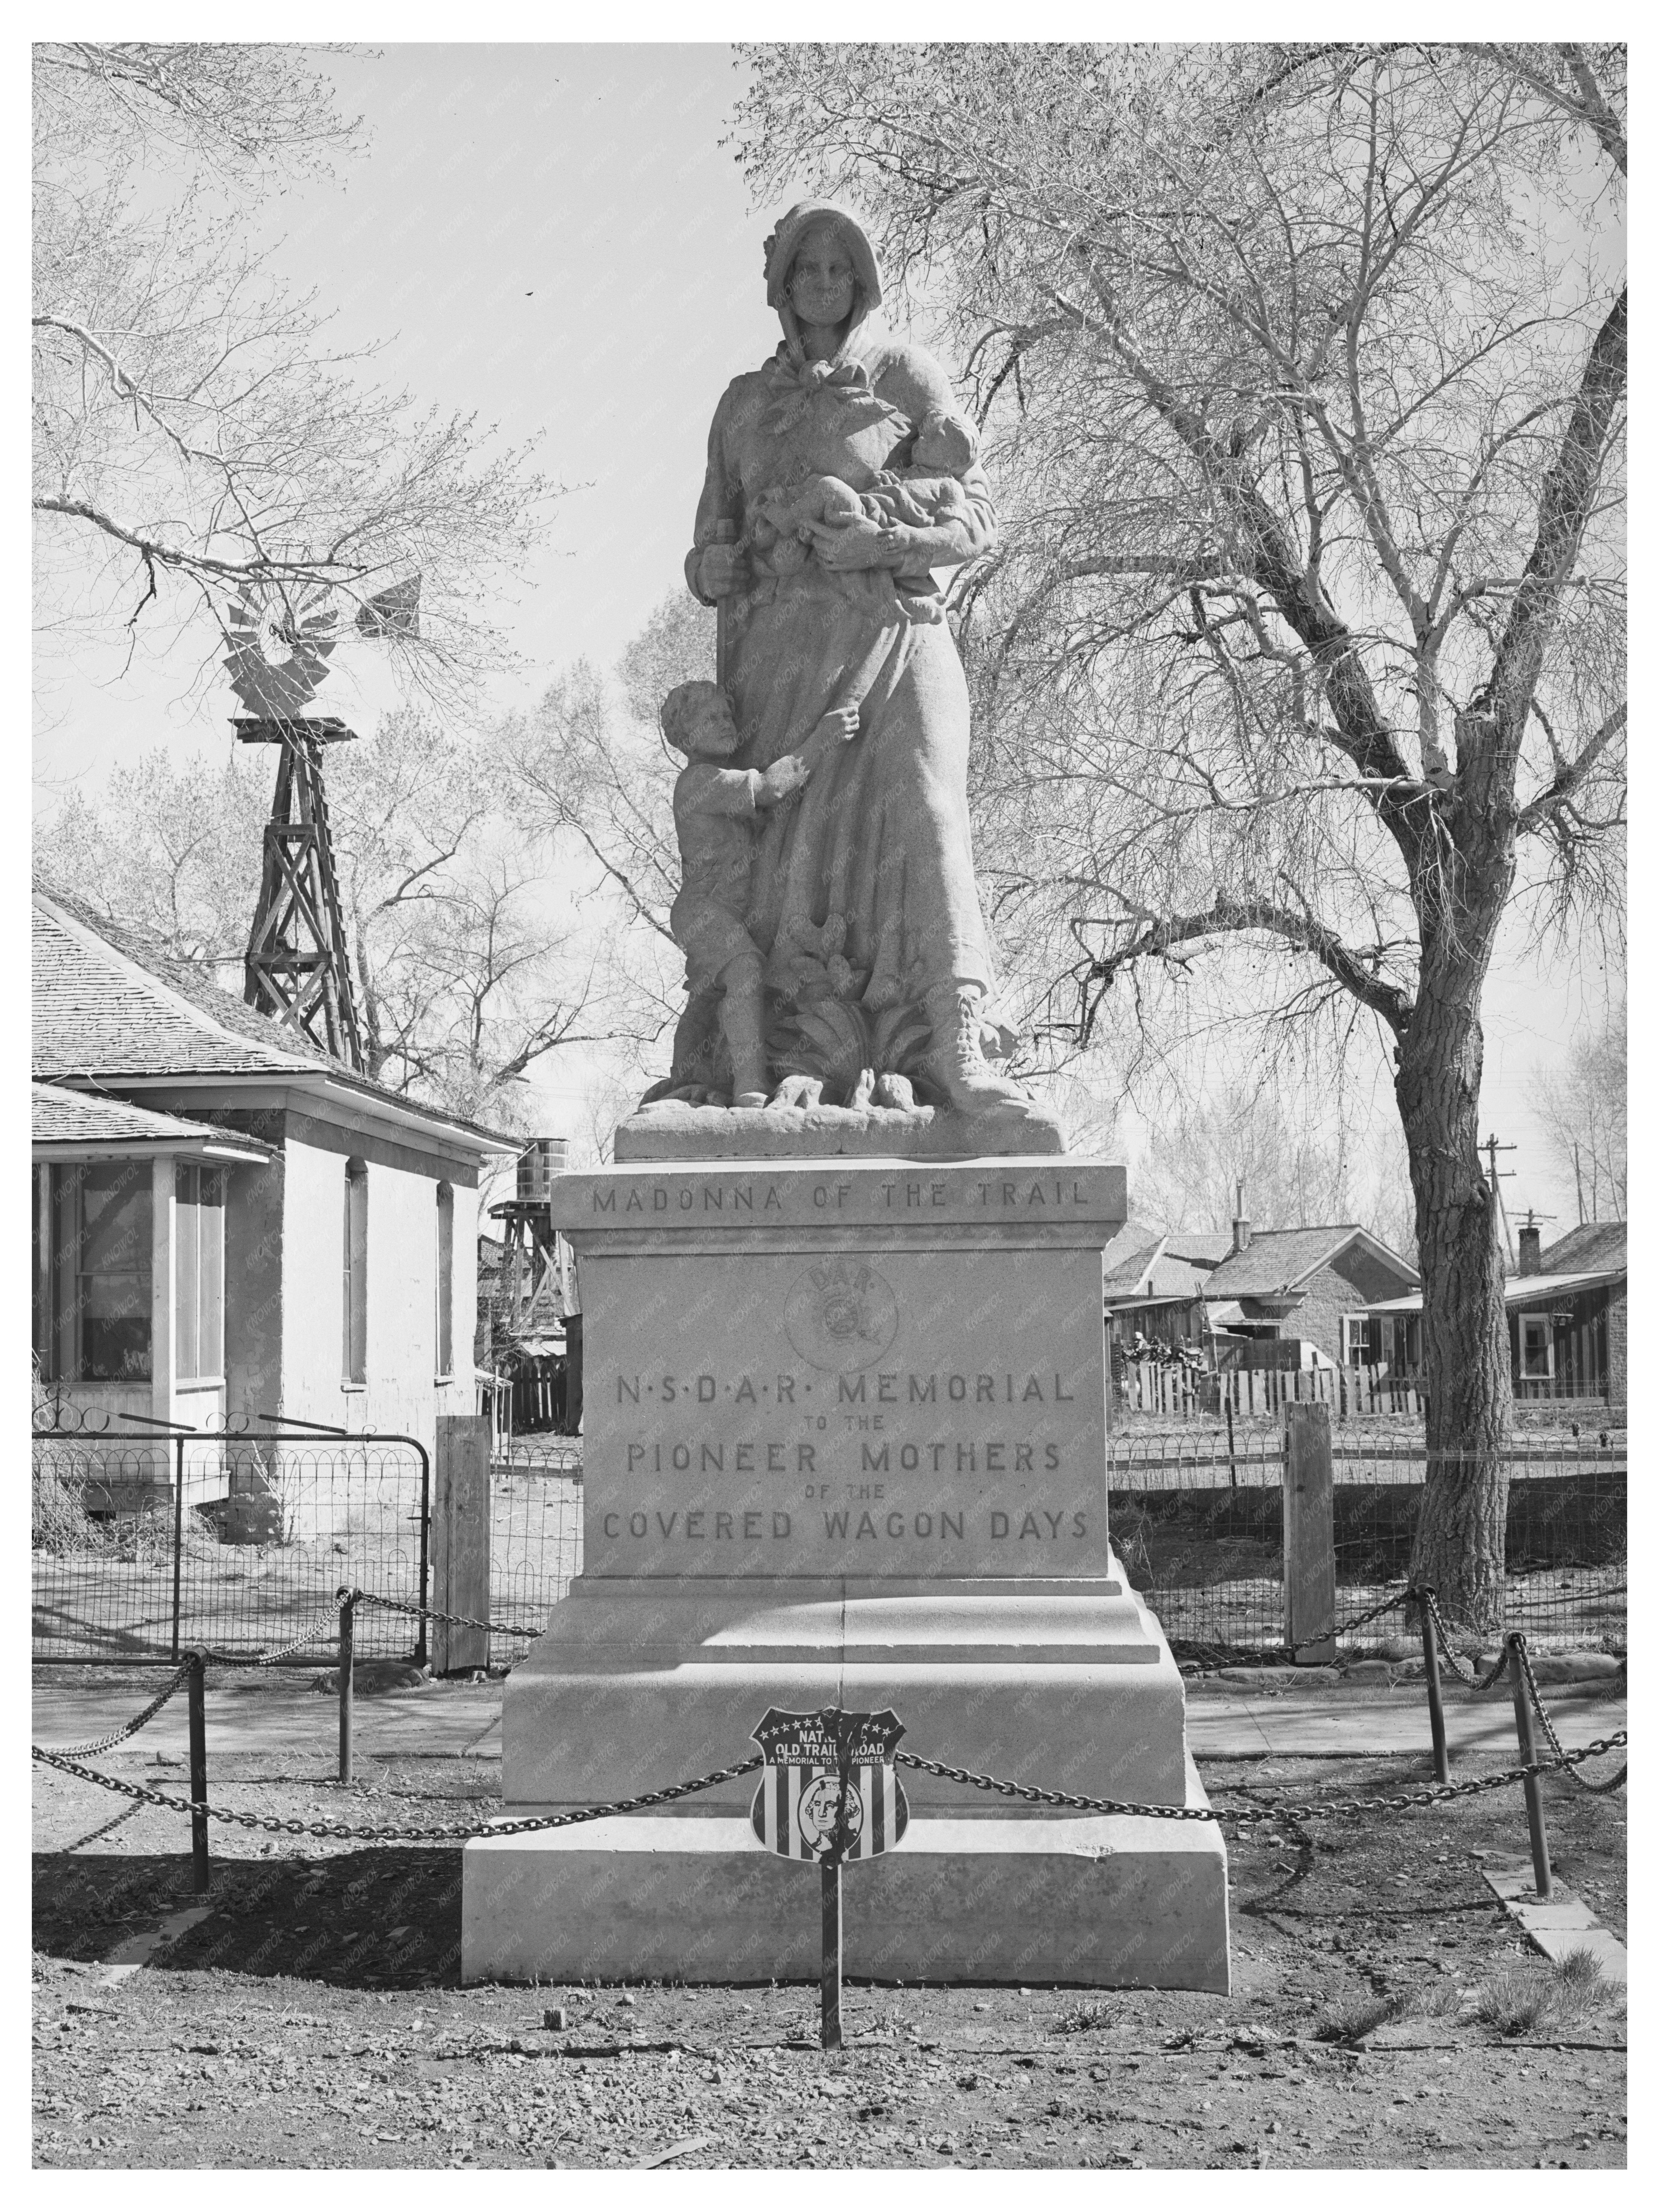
298, 965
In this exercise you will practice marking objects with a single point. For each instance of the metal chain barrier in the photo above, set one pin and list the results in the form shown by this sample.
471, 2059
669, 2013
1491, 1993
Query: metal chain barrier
1459, 1669
1596, 1788
1278, 1810
431, 1613
453, 1830
129, 1728
1049, 1796
1306, 1642
1437, 1796
326, 1629
446, 1831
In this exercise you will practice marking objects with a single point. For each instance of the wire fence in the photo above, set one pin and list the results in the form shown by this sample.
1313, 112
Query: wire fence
534, 1534
1199, 1528
142, 1547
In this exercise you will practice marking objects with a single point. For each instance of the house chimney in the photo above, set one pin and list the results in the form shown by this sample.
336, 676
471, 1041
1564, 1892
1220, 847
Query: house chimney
1530, 1241
1241, 1226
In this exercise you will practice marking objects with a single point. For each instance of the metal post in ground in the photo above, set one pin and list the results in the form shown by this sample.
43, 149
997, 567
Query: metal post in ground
829, 1972
1431, 1676
421, 1654
177, 1535
197, 1688
1516, 1643
347, 1638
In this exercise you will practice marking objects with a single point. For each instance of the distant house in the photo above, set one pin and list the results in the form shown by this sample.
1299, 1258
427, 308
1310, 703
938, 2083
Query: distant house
1568, 1316
225, 1221
1568, 1313
1154, 1285
1312, 1287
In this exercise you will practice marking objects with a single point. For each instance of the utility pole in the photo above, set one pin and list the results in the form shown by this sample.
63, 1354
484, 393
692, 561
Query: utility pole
1578, 1179
1491, 1148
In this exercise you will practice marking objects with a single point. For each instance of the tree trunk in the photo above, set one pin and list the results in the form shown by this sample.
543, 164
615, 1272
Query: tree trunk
1459, 1547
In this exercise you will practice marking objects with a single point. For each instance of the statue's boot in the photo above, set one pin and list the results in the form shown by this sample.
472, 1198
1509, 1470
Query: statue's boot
955, 1068
740, 1019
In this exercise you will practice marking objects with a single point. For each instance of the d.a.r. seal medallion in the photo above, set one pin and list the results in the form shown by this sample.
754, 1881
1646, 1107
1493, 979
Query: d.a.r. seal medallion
841, 1315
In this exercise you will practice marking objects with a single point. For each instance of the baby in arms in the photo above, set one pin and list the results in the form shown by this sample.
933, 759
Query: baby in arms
928, 491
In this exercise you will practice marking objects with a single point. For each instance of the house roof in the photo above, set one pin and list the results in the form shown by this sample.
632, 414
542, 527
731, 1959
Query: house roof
112, 1007
1139, 1263
1126, 1258
1594, 1244
1204, 1247
71, 1121
110, 1001
1125, 1255
1518, 1290
1276, 1261
1523, 1290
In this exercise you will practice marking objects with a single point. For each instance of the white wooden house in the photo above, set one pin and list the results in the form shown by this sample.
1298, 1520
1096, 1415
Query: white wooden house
228, 1223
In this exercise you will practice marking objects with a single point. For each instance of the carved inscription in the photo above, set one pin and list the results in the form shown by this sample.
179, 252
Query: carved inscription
838, 1448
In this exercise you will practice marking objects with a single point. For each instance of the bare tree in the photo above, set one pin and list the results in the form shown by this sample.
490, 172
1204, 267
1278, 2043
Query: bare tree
1303, 371
466, 970
1581, 1109
195, 433
1298, 1162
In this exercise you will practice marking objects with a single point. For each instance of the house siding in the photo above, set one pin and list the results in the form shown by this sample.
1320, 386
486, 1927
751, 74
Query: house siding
1355, 1280
253, 1289
1617, 1344
401, 1393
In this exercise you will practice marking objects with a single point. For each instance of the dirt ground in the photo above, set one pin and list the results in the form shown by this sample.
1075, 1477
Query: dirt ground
312, 2017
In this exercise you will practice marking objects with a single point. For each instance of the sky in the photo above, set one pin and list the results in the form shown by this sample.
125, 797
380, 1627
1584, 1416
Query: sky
555, 238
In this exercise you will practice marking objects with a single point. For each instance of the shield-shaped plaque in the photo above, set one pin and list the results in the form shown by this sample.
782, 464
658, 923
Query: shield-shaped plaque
830, 1788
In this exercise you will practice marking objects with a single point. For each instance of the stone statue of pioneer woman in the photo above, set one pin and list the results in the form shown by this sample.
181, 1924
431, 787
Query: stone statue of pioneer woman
861, 894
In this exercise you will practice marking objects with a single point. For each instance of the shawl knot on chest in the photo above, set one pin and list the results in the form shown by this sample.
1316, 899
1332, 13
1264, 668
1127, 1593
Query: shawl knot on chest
793, 387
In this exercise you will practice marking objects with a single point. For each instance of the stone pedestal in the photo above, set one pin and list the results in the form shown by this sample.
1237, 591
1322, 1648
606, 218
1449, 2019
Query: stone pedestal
845, 1444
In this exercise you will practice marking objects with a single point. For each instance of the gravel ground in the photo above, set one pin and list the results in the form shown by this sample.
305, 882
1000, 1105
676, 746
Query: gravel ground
311, 2017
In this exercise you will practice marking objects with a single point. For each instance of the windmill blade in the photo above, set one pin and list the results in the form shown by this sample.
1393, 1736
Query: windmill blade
278, 642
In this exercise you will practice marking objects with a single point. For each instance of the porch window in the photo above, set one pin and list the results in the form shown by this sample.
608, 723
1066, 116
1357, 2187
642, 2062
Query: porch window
1537, 1348
446, 1283
199, 1274
92, 1272
354, 1303
1353, 1339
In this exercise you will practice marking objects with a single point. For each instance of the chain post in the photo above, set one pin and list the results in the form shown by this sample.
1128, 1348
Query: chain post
1516, 1643
1432, 1677
198, 1818
830, 1970
347, 1642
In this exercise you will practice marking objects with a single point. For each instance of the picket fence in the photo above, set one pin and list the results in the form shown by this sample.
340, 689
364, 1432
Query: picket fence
1174, 1393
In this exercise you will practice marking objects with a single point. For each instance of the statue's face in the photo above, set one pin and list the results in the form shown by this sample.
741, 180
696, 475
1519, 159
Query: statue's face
712, 734
821, 277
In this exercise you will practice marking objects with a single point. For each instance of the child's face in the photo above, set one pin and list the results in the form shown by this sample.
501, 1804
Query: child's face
710, 733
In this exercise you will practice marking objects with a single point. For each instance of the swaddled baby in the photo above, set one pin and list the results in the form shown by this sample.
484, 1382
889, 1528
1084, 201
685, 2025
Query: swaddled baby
929, 490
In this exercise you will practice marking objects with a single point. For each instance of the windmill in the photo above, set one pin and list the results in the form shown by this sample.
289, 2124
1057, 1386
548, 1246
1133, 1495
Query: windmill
298, 967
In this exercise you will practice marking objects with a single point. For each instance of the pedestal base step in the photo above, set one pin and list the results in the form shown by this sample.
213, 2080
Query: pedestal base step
1104, 1903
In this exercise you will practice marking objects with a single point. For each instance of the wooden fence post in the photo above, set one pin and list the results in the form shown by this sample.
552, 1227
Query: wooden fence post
461, 1547
1310, 1532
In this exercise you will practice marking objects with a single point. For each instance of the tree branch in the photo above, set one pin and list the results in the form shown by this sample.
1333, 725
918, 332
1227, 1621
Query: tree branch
1236, 917
1569, 775
1563, 509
